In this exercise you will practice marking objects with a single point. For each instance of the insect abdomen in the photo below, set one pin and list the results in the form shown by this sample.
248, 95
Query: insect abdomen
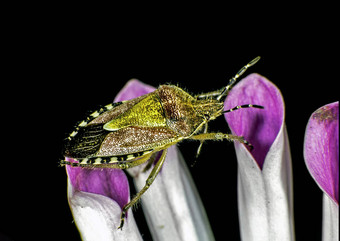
121, 160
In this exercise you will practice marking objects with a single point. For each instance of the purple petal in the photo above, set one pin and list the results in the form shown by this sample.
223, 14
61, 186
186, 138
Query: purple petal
258, 126
321, 148
132, 89
265, 202
111, 183
97, 217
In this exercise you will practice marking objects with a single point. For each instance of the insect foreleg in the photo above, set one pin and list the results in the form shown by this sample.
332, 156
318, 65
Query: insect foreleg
148, 183
201, 142
220, 136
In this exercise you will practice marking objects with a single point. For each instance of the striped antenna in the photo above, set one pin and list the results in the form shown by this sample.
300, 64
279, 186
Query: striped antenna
239, 73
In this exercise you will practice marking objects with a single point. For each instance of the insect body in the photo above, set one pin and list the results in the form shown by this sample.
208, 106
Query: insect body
129, 133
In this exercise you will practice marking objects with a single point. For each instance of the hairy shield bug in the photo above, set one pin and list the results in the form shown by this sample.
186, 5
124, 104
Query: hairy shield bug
126, 134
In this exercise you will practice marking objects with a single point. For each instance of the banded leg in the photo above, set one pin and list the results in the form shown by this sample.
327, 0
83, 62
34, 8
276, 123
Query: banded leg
239, 73
148, 183
221, 136
243, 106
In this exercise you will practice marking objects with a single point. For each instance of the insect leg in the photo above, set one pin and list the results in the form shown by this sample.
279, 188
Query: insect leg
201, 142
150, 162
239, 73
220, 136
148, 183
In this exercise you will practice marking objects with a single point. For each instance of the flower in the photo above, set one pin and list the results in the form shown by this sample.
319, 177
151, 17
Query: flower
264, 174
96, 198
172, 206
321, 153
321, 149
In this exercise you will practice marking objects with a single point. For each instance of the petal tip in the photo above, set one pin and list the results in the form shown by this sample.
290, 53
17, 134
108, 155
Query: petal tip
132, 89
260, 127
321, 149
327, 113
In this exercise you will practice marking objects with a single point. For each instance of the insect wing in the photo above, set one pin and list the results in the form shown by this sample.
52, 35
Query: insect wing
87, 141
92, 141
135, 139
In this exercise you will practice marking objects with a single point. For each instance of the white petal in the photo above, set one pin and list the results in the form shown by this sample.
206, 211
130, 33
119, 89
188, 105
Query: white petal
97, 217
330, 219
172, 205
265, 197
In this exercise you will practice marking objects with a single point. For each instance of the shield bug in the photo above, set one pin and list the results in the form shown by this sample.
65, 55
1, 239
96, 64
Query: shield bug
126, 134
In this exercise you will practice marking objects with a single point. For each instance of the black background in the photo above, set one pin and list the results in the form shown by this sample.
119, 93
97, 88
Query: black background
58, 68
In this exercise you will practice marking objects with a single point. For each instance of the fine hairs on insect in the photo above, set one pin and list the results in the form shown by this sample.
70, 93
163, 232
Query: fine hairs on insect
129, 133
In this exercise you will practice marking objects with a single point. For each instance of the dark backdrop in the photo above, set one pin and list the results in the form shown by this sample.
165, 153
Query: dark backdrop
57, 71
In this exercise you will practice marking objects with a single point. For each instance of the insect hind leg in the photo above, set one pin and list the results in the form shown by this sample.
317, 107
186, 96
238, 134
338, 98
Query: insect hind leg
148, 183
